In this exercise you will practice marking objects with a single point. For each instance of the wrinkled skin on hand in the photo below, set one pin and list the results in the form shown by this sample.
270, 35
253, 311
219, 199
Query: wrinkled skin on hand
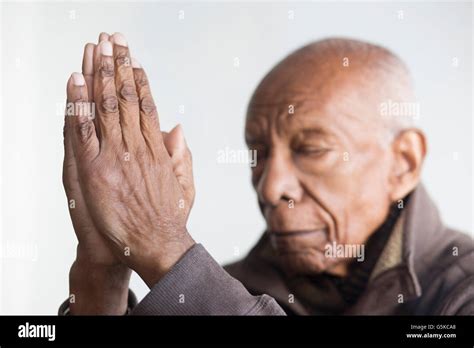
137, 185
92, 246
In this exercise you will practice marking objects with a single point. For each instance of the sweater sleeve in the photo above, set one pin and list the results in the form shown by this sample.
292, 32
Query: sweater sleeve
198, 285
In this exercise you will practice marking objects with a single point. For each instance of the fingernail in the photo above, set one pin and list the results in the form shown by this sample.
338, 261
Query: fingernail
78, 79
103, 37
106, 48
135, 63
119, 39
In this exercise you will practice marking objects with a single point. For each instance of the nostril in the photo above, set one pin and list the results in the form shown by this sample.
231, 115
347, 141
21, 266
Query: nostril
278, 181
286, 198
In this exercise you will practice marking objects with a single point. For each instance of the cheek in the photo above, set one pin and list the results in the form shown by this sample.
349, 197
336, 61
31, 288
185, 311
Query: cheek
372, 201
353, 192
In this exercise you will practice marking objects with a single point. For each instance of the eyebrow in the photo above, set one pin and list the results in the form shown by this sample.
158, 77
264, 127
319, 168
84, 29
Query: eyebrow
254, 134
315, 131
257, 138
310, 133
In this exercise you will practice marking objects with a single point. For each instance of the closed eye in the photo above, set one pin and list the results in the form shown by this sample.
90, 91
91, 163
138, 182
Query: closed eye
311, 150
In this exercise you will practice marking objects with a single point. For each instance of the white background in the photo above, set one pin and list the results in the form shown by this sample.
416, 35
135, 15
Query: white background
190, 62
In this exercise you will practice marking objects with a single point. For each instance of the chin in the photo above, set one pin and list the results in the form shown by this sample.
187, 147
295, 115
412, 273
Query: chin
308, 263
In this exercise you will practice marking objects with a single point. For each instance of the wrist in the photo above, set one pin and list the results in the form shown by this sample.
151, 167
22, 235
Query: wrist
98, 289
156, 267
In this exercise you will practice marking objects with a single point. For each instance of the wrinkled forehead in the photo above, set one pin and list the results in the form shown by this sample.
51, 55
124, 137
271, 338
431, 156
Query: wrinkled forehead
314, 85
339, 105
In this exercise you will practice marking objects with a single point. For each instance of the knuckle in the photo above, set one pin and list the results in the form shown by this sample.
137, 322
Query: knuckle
122, 58
147, 106
106, 68
109, 103
141, 79
129, 93
85, 130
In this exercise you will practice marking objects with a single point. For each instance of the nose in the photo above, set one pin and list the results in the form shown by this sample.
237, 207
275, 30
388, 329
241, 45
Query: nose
279, 180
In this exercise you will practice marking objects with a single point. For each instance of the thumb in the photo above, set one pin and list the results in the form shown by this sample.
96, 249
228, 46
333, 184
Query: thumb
181, 159
175, 142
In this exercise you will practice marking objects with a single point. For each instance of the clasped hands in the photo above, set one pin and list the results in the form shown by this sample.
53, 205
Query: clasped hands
129, 185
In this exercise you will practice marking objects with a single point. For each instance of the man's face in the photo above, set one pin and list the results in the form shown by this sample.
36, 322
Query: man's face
322, 171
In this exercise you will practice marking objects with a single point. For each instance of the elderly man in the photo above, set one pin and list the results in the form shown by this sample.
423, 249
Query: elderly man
350, 228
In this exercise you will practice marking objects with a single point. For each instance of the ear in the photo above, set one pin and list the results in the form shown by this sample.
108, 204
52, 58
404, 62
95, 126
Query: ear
409, 150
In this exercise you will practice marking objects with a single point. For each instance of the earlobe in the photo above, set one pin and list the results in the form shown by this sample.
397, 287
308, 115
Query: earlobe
409, 149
